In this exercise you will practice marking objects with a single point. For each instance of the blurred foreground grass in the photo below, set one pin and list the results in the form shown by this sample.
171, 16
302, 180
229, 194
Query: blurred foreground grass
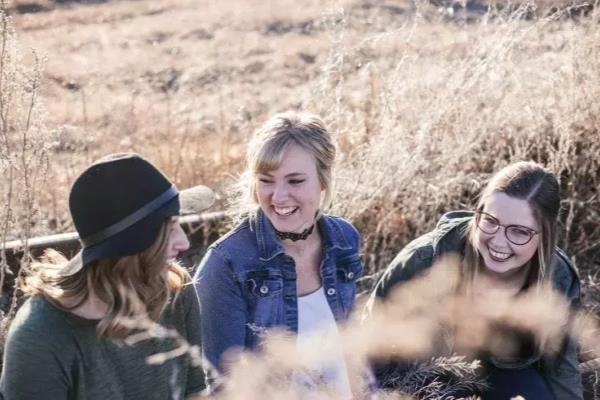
426, 101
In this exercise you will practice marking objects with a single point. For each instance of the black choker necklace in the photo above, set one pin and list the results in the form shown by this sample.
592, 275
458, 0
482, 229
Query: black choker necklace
294, 237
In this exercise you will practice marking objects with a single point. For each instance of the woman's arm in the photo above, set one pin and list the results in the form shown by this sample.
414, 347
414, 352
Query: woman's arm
196, 379
32, 369
562, 370
222, 305
562, 373
411, 261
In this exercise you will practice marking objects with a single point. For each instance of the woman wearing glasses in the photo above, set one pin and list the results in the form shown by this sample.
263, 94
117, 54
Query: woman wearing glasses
507, 246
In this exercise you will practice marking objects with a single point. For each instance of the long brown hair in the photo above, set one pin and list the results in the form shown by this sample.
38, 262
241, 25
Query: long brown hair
131, 286
538, 186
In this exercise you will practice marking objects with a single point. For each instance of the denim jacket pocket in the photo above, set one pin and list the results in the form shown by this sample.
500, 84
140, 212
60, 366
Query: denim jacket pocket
263, 290
349, 269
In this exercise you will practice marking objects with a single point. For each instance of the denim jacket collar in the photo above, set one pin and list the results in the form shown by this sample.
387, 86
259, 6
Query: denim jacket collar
269, 246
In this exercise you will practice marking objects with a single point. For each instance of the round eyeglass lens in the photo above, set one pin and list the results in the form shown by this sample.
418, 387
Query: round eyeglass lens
487, 224
518, 235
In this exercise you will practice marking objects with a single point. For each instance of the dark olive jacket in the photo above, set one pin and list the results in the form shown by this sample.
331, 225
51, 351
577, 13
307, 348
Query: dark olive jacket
560, 371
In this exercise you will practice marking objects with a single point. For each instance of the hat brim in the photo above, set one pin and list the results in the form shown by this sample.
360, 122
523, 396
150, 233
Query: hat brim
73, 266
195, 200
190, 201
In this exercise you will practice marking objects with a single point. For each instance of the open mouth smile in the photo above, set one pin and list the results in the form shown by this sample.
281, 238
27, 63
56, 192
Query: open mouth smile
284, 211
498, 255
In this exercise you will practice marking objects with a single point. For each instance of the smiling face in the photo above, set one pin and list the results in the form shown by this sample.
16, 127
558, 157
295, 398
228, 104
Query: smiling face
290, 195
499, 254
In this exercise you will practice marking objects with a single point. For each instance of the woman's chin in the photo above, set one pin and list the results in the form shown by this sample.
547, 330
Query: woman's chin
288, 227
506, 267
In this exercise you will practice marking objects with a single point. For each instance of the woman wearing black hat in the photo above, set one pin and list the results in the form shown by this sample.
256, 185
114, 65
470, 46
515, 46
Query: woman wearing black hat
83, 333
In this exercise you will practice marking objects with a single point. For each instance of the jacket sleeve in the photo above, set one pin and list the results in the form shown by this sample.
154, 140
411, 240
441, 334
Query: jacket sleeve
562, 371
416, 257
223, 307
412, 260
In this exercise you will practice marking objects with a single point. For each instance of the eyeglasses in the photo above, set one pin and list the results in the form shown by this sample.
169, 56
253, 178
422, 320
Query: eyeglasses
516, 234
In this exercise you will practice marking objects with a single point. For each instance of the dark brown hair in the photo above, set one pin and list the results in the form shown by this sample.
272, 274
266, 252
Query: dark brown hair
538, 186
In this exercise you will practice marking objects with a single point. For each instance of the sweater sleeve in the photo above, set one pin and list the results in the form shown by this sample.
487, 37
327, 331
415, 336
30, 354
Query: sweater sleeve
196, 381
33, 368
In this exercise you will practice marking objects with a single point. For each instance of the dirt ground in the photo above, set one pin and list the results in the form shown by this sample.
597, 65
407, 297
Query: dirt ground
164, 77
185, 82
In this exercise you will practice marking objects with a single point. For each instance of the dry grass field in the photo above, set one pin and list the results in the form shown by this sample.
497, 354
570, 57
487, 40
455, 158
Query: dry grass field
426, 99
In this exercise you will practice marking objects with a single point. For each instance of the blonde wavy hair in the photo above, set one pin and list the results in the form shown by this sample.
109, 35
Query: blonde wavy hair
131, 286
265, 152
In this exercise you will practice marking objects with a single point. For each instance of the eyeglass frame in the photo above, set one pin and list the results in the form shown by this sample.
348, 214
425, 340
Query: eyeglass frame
532, 232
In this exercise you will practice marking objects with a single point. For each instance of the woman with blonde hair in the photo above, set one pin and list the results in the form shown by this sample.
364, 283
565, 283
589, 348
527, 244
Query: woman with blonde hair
83, 331
286, 264
506, 247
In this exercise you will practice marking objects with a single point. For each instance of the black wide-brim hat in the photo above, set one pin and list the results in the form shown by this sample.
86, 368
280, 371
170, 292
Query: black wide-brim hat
119, 204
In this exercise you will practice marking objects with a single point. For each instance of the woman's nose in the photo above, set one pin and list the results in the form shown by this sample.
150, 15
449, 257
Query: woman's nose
280, 194
499, 238
180, 239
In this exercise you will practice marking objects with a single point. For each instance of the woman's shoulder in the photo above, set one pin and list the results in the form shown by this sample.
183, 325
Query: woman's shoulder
342, 226
37, 310
417, 255
241, 232
40, 346
186, 298
412, 260
420, 254
565, 276
563, 268
185, 305
447, 236
36, 318
338, 220
231, 252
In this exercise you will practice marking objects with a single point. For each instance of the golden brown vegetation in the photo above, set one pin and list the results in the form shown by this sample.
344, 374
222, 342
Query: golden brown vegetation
23, 151
424, 105
425, 102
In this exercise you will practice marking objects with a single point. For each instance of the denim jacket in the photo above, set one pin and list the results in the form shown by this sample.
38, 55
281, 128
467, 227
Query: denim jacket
247, 284
561, 371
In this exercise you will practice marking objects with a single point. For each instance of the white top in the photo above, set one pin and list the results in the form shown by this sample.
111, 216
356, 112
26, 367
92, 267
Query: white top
317, 330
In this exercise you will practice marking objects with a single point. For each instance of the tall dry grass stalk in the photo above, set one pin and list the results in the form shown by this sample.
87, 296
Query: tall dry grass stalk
23, 153
427, 111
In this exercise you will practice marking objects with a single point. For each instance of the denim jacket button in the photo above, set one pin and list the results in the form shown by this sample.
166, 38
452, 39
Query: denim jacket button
350, 275
331, 291
264, 289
